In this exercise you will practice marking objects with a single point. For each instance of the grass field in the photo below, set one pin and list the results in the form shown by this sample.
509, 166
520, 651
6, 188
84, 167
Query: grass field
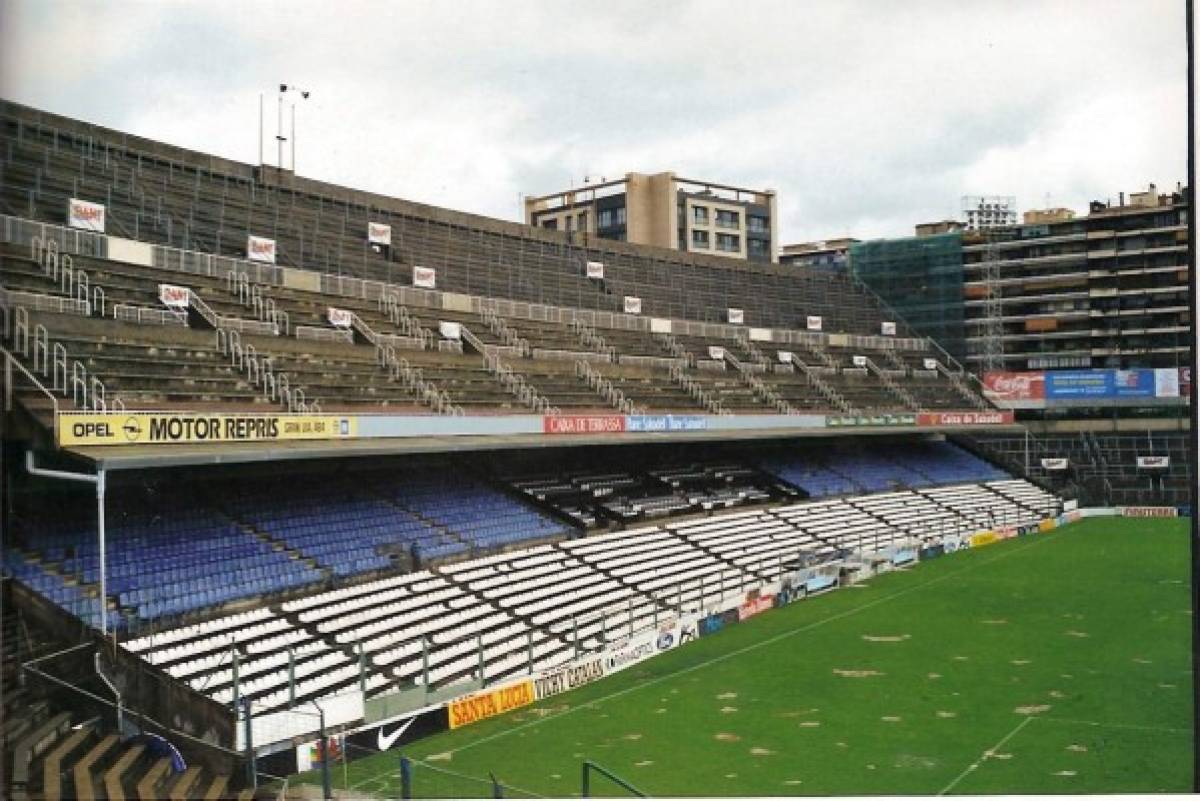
1053, 663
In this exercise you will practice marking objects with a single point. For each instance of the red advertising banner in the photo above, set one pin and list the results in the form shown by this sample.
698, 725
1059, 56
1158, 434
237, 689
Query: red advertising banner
756, 606
1001, 385
964, 418
583, 424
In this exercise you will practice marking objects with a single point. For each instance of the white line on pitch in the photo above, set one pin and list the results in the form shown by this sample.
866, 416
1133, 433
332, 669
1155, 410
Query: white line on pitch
1134, 726
985, 755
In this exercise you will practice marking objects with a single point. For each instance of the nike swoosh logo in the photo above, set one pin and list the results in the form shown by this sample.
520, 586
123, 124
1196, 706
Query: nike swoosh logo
385, 742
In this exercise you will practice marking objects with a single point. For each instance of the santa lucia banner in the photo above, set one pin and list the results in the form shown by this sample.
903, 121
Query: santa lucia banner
489, 704
150, 428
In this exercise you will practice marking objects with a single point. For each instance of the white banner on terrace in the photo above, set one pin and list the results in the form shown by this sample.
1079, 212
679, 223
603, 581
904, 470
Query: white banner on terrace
259, 248
424, 277
785, 356
814, 322
340, 318
633, 305
658, 325
887, 328
1166, 382
595, 269
450, 330
176, 297
85, 215
736, 316
1153, 462
930, 364
379, 233
716, 352
859, 361
1055, 464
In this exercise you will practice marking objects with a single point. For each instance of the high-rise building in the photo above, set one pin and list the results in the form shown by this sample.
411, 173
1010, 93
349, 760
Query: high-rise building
666, 211
981, 212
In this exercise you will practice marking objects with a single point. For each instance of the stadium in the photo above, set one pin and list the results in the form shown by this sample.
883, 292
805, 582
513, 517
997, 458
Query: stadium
316, 492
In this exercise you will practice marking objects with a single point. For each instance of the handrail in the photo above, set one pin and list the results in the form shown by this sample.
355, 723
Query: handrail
893, 387
829, 393
346, 286
9, 362
757, 385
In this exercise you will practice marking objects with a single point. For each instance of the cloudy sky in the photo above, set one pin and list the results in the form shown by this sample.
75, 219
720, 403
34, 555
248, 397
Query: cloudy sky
866, 117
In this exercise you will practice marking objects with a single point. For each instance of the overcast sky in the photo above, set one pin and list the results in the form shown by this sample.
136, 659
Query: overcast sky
866, 117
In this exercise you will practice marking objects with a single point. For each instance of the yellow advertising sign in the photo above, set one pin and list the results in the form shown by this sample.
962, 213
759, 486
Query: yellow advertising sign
1048, 524
983, 538
478, 707
177, 428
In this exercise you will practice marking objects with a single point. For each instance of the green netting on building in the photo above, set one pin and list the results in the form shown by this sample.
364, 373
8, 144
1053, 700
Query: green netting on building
922, 279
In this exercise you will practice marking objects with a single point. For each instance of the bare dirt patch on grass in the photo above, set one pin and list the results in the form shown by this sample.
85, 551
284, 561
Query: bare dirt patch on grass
1032, 709
726, 737
856, 674
886, 637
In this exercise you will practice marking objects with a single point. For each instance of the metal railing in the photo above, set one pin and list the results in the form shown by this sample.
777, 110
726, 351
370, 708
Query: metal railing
260, 372
501, 330
609, 393
821, 386
760, 389
144, 315
589, 338
892, 386
254, 297
695, 391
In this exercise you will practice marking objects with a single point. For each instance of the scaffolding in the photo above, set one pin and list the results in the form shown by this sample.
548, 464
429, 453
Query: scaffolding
992, 331
922, 279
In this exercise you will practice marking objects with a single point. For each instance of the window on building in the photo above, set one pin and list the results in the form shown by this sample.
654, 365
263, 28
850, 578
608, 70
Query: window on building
756, 247
728, 243
728, 219
700, 239
604, 219
756, 223
699, 215
551, 224
620, 217
581, 221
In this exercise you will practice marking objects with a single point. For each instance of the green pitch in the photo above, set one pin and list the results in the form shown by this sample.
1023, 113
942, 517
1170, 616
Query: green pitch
1053, 663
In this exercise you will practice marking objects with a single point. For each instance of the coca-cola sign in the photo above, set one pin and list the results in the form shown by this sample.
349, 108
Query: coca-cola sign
1006, 386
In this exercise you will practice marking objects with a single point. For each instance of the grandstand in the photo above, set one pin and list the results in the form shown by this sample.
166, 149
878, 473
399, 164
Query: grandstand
376, 478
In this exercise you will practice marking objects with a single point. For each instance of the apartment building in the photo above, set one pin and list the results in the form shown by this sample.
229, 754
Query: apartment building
664, 210
1106, 290
825, 254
